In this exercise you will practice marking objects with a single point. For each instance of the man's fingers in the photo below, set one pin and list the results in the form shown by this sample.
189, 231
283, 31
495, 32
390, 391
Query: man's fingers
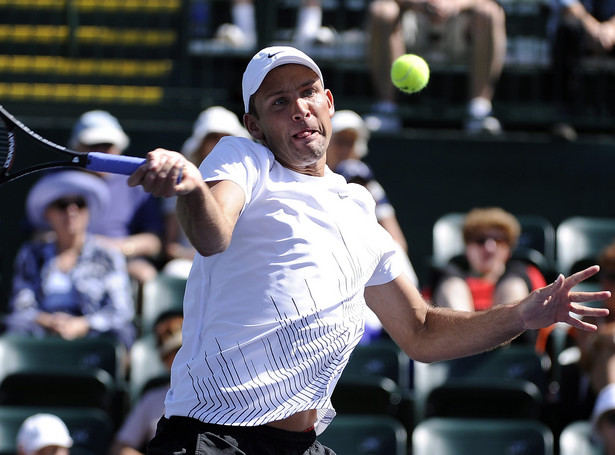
576, 278
583, 310
595, 296
582, 325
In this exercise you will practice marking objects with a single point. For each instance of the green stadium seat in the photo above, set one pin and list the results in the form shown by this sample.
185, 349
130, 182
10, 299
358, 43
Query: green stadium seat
52, 371
380, 358
454, 436
580, 240
507, 382
162, 294
146, 367
365, 435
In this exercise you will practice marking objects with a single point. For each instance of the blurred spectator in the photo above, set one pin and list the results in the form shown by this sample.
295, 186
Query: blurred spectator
210, 126
242, 32
43, 434
578, 28
139, 426
348, 145
598, 348
603, 419
486, 275
67, 283
132, 222
470, 32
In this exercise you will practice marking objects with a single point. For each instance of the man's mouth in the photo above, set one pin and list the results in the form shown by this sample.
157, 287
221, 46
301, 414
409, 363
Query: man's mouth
304, 134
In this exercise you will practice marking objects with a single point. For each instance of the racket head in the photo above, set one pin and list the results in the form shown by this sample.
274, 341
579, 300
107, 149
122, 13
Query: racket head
10, 127
93, 161
7, 145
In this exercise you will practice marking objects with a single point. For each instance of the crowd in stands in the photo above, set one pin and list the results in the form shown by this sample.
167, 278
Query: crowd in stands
95, 241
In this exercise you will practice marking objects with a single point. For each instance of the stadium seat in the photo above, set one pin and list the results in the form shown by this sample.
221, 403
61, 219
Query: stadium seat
146, 367
365, 435
506, 382
447, 238
454, 436
53, 371
91, 429
367, 395
164, 293
380, 358
579, 241
576, 439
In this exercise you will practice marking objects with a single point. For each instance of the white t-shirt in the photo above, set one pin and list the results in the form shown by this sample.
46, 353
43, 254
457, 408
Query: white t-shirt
270, 323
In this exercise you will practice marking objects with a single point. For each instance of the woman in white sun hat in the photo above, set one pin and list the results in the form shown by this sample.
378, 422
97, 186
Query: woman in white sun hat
66, 283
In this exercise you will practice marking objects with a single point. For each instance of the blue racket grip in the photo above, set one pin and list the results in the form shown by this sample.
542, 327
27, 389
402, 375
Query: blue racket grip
116, 164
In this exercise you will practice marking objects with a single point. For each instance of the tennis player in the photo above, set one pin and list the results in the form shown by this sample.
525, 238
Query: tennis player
289, 255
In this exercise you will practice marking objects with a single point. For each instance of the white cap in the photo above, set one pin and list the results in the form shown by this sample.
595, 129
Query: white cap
604, 403
60, 184
42, 430
215, 119
268, 59
350, 120
98, 127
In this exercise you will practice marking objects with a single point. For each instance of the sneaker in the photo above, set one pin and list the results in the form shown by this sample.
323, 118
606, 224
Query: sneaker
234, 36
564, 132
383, 122
488, 124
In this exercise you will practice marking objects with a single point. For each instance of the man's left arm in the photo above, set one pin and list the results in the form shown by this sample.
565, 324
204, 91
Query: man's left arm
430, 334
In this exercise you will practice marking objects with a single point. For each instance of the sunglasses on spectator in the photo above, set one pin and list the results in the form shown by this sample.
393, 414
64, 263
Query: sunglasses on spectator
64, 203
482, 239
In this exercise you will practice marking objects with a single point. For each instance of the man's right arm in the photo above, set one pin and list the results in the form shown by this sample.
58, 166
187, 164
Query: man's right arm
209, 213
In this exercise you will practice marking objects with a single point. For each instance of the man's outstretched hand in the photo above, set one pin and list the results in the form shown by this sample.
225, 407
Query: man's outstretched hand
558, 303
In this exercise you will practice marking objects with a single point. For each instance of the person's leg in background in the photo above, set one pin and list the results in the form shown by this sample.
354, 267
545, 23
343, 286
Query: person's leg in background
386, 43
309, 29
566, 57
488, 51
241, 33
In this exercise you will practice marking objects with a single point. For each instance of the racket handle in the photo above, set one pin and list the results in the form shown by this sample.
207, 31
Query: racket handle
116, 164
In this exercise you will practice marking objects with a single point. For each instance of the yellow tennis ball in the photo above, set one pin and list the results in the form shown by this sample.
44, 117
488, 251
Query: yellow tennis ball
410, 73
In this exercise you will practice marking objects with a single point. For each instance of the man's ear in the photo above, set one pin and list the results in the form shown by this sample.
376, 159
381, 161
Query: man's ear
330, 101
253, 126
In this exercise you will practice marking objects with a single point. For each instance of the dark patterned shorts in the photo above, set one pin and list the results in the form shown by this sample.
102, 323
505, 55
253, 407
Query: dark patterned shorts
187, 436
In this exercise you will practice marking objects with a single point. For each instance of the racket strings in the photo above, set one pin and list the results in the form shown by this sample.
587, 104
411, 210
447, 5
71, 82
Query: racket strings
7, 147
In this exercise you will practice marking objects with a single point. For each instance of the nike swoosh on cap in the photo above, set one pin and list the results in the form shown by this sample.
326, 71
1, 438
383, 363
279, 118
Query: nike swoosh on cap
274, 54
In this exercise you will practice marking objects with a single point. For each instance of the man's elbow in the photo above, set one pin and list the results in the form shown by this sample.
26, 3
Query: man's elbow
212, 248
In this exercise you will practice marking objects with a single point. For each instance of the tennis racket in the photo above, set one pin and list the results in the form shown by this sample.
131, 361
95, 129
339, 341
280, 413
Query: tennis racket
93, 161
